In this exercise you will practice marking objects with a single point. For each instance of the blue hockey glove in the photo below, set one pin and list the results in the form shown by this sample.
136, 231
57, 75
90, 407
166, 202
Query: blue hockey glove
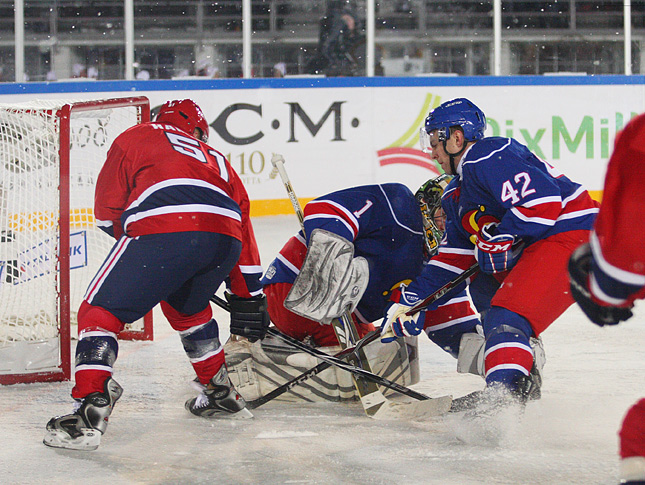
579, 269
493, 251
397, 324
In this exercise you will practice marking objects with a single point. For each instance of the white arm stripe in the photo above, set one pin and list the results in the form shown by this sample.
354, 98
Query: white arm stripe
601, 295
542, 200
537, 220
614, 272
104, 223
251, 269
573, 215
343, 209
466, 252
460, 299
288, 264
573, 196
330, 216
449, 323
447, 267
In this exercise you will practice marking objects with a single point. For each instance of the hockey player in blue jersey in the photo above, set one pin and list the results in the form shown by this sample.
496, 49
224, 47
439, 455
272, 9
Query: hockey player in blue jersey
387, 226
521, 220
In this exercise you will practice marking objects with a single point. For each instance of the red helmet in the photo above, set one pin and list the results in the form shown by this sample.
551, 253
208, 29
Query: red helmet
184, 114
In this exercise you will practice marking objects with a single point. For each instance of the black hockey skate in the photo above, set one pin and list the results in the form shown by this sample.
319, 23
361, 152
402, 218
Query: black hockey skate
219, 398
82, 430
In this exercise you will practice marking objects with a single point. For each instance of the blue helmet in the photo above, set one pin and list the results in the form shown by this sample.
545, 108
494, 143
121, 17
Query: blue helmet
457, 112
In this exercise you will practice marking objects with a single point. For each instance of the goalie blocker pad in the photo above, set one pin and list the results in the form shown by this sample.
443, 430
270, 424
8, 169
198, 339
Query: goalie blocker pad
258, 368
331, 281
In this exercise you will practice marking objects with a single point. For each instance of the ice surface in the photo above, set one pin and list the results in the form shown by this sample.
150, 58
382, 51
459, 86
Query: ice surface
592, 376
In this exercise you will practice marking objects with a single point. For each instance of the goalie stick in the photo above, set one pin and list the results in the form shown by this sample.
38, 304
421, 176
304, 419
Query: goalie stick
369, 338
287, 386
335, 360
332, 360
375, 404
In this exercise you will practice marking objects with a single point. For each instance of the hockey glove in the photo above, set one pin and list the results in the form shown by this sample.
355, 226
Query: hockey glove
579, 270
249, 316
397, 324
494, 251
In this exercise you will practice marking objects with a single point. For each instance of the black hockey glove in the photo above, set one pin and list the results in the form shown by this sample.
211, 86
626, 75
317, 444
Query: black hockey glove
249, 316
579, 267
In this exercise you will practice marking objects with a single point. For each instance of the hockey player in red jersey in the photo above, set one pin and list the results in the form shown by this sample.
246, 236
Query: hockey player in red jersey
180, 215
608, 273
520, 219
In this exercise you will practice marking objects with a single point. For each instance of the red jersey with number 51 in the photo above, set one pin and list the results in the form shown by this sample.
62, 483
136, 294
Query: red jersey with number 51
158, 179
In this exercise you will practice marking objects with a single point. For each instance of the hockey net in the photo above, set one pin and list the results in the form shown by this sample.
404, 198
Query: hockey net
50, 248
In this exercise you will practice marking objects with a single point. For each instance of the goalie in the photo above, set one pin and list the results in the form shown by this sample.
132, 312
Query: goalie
391, 231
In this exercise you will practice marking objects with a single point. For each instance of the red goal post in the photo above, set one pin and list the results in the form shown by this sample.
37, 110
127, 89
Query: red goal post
50, 154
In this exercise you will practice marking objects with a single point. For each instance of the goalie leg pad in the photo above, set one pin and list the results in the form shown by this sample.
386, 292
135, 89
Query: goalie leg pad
331, 281
471, 354
257, 369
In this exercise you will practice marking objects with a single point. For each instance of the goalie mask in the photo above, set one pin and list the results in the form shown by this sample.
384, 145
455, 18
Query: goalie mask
434, 219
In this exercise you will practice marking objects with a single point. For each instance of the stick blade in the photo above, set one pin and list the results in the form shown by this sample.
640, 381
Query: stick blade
392, 410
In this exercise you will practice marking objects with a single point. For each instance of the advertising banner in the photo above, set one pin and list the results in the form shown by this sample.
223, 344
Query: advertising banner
360, 133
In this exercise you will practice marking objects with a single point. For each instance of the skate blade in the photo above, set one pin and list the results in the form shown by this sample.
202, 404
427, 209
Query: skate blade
243, 413
413, 410
60, 439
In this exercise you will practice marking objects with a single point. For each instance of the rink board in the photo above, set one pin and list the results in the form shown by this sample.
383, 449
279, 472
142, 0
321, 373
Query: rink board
340, 132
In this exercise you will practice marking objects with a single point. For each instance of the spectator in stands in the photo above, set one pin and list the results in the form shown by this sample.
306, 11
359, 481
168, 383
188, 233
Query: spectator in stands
338, 34
279, 69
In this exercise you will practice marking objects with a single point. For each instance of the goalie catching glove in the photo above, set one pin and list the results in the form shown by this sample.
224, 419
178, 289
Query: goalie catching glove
396, 323
249, 316
579, 273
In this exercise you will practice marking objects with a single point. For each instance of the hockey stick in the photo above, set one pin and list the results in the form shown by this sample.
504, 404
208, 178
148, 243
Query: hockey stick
348, 367
335, 360
425, 303
374, 403
287, 386
369, 338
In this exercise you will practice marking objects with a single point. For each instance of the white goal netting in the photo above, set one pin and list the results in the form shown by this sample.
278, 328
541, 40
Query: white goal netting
30, 222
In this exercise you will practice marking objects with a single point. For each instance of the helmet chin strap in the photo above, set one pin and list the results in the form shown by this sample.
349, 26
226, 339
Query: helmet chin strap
453, 155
